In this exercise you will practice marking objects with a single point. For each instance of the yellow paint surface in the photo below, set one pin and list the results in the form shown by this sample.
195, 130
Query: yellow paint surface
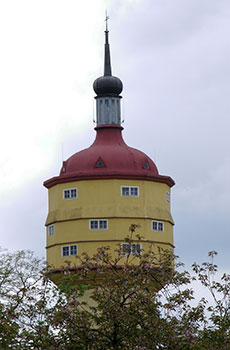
101, 199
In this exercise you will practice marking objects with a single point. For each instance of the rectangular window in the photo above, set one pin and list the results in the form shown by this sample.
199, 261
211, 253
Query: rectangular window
125, 191
94, 224
70, 193
69, 250
66, 194
131, 248
130, 191
98, 224
51, 230
168, 197
73, 193
103, 224
134, 191
160, 226
157, 226
73, 250
65, 251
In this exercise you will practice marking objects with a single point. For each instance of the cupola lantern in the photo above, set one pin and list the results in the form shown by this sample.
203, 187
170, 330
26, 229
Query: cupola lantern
108, 89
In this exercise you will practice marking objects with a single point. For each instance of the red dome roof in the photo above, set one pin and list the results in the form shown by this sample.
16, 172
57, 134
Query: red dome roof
108, 157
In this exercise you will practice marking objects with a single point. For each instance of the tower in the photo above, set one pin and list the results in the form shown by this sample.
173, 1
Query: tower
105, 188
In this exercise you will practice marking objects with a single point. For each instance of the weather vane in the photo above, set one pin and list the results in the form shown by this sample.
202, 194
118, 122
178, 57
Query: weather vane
106, 20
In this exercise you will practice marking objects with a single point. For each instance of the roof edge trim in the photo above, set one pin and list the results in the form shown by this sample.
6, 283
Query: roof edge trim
59, 180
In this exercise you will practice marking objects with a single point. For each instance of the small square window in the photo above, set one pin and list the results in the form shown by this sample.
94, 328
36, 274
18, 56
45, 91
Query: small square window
133, 248
70, 193
98, 224
157, 226
70, 250
125, 191
133, 191
103, 224
73, 192
66, 194
126, 248
130, 191
94, 224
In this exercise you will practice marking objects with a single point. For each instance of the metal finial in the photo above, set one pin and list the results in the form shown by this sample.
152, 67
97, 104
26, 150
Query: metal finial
106, 20
107, 64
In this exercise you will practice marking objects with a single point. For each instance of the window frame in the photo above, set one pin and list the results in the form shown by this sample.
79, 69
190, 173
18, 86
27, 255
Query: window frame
131, 245
99, 226
130, 188
159, 224
69, 250
168, 196
51, 229
70, 193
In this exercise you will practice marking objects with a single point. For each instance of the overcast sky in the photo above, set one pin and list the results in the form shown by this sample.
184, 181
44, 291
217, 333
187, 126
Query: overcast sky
173, 58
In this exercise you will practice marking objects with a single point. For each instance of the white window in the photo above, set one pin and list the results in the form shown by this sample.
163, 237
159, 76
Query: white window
98, 224
158, 226
131, 248
70, 193
69, 250
51, 230
168, 197
130, 191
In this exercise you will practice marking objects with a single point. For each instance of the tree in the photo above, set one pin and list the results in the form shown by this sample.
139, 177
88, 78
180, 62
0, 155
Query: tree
25, 301
138, 306
216, 334
140, 303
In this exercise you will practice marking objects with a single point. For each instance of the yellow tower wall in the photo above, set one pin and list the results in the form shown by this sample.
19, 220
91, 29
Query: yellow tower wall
102, 199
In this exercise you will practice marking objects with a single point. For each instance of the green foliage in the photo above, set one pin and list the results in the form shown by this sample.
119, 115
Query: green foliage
137, 302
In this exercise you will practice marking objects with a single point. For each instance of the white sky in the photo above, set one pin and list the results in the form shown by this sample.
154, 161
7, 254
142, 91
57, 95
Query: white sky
173, 58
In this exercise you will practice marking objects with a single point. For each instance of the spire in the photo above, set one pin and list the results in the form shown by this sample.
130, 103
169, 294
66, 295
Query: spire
107, 85
108, 89
107, 63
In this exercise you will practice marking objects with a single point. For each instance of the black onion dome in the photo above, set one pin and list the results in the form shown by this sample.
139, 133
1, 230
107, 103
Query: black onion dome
108, 85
